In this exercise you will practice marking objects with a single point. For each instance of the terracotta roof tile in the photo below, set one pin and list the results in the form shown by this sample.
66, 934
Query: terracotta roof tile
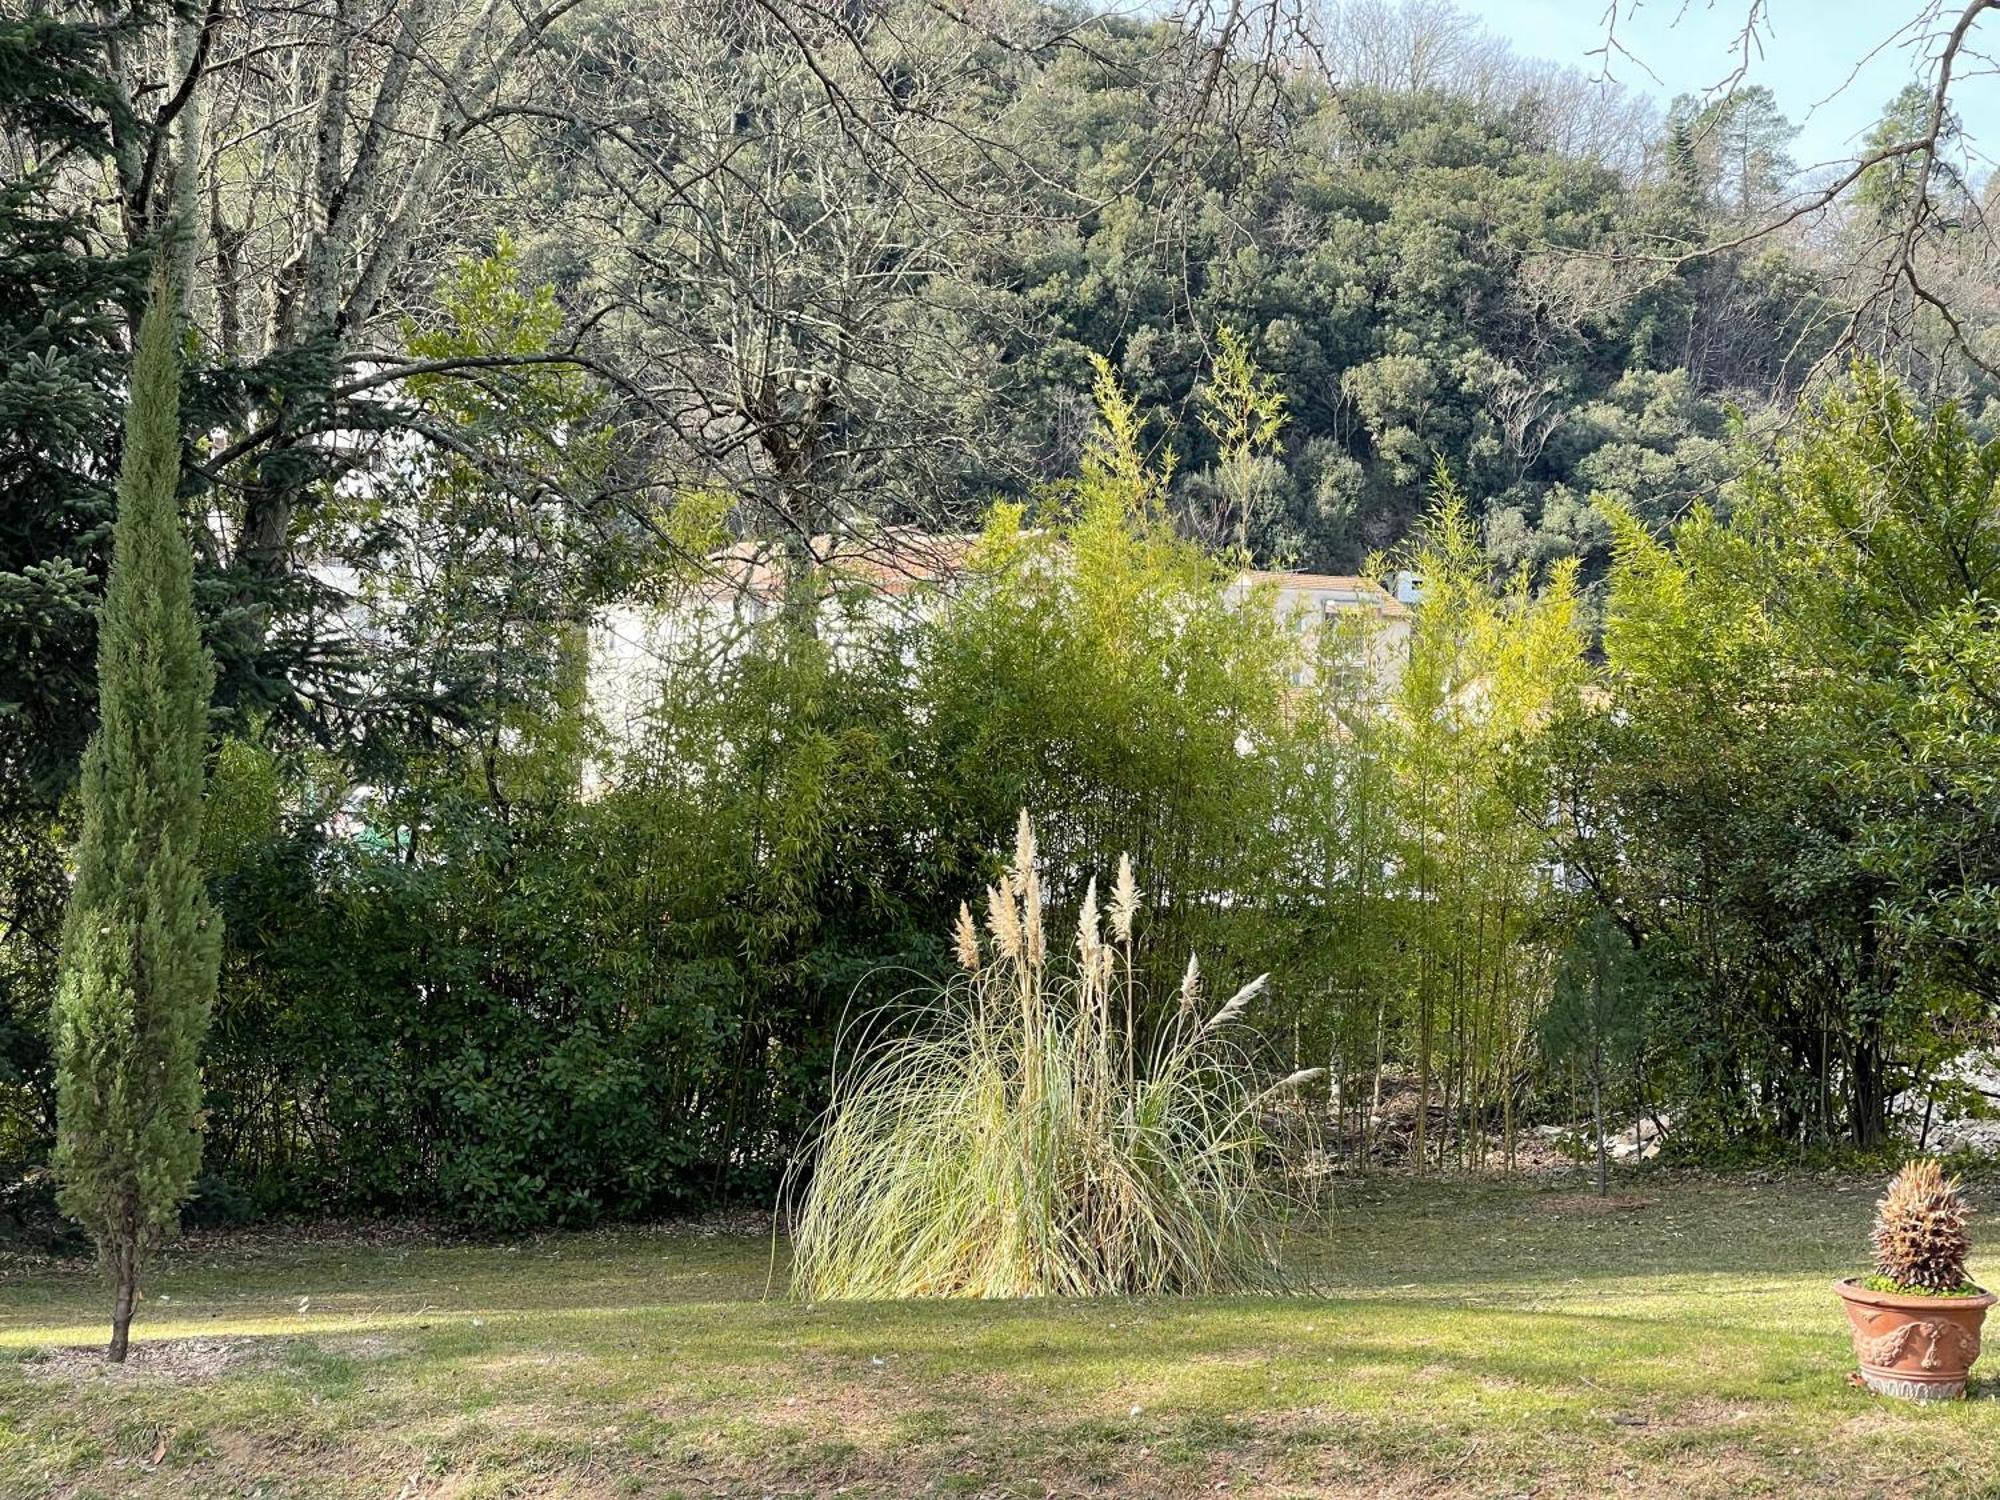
898, 559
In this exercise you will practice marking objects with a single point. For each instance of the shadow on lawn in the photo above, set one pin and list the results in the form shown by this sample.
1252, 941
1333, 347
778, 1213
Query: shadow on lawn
1456, 1243
1082, 1361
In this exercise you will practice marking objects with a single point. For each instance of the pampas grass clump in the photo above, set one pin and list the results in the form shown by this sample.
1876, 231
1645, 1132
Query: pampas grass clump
1020, 1140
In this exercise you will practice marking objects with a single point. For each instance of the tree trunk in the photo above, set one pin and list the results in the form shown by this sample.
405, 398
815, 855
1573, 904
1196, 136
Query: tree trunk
1597, 1108
1421, 1149
125, 1268
1869, 1109
1381, 1058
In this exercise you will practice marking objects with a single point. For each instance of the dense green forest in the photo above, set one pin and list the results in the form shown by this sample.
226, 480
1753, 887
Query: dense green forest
496, 327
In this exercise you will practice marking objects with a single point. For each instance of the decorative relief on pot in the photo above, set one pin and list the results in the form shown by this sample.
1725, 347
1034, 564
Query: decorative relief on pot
1888, 1348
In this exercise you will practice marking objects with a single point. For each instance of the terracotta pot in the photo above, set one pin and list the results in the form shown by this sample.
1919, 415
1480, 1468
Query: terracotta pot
1919, 1348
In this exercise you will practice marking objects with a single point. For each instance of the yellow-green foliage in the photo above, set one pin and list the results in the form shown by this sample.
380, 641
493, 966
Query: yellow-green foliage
1245, 406
1101, 670
1489, 671
494, 540
1024, 1138
1244, 411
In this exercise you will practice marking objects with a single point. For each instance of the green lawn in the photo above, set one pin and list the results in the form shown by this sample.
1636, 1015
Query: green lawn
1455, 1339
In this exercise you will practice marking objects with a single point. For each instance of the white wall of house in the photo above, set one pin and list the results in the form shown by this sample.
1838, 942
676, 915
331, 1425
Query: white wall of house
630, 644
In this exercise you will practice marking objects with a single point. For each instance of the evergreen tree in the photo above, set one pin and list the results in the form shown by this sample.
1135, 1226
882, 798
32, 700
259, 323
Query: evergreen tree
63, 316
1738, 146
1752, 145
140, 947
1888, 188
63, 321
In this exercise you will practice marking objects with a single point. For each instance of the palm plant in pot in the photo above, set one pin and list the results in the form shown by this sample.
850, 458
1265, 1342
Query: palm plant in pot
1916, 1320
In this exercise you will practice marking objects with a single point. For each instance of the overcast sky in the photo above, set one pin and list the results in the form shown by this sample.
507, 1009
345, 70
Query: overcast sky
1809, 51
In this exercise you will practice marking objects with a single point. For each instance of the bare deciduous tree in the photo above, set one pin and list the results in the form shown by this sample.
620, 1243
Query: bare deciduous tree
303, 158
1435, 45
787, 220
1931, 256
791, 192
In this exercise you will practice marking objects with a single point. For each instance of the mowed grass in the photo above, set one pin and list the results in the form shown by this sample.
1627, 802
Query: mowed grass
1454, 1338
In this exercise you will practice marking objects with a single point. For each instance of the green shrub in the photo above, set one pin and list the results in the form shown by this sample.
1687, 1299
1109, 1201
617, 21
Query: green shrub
568, 1008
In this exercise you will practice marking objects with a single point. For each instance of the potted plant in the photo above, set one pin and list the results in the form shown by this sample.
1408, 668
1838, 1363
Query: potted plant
1916, 1320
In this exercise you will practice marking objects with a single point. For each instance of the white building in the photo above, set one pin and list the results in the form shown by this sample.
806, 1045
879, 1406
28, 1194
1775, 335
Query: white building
902, 569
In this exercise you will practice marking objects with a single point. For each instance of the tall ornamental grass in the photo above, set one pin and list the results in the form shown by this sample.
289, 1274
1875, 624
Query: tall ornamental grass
1028, 1136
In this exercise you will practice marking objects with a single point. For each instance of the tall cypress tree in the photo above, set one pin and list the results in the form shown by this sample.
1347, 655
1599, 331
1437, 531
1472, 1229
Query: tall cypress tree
140, 945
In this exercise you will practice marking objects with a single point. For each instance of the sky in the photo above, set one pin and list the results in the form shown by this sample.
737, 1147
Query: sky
1810, 49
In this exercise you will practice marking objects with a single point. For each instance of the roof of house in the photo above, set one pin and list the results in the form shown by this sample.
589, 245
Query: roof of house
1342, 588
893, 560
898, 559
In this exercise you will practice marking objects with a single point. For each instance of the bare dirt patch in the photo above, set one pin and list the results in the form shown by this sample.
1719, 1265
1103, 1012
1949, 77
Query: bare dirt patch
180, 1361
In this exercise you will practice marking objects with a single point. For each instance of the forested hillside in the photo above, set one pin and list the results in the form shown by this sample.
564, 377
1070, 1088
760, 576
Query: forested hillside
497, 318
1495, 270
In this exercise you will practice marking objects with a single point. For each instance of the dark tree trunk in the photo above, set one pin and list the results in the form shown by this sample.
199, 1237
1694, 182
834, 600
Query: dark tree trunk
125, 1270
1869, 1088
1870, 1092
1597, 1108
1598, 1021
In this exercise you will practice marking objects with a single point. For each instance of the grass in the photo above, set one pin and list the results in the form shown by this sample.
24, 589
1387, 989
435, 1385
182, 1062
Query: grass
1461, 1338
